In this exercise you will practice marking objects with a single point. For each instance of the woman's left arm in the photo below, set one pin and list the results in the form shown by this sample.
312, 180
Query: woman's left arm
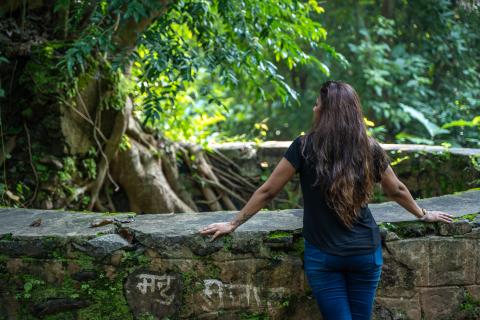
282, 173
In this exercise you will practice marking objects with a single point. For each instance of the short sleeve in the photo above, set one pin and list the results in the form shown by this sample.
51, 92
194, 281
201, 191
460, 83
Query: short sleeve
381, 160
294, 154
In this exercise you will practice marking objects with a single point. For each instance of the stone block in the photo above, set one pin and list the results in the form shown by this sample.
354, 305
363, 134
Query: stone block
159, 294
306, 308
454, 228
286, 272
397, 308
34, 248
243, 270
474, 234
440, 302
397, 279
476, 221
104, 245
391, 236
474, 291
217, 296
412, 254
451, 262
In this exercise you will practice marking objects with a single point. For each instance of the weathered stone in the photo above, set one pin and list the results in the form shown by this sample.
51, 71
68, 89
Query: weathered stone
279, 240
54, 306
116, 257
399, 308
34, 248
397, 279
242, 271
476, 221
56, 224
411, 254
286, 272
391, 236
456, 204
474, 234
255, 270
217, 295
159, 294
450, 261
474, 290
104, 245
53, 272
244, 242
305, 308
50, 270
440, 302
411, 229
454, 228
84, 275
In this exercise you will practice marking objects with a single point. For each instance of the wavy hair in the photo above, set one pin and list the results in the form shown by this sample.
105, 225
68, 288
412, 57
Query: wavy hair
341, 151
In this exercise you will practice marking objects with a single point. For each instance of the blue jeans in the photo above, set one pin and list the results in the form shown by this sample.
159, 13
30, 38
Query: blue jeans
344, 286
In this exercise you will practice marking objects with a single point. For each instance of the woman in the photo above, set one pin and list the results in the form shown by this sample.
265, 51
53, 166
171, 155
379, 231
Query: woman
338, 165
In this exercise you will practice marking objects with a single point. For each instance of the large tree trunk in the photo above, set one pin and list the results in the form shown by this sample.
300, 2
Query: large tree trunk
145, 171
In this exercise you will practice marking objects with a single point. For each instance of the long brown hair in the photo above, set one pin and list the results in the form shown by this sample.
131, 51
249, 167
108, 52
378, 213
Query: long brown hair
341, 151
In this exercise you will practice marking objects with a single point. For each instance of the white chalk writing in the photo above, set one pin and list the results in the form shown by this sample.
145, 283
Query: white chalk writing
224, 295
153, 283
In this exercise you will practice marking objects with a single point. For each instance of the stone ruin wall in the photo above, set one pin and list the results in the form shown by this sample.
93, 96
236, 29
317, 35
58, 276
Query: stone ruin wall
428, 171
159, 267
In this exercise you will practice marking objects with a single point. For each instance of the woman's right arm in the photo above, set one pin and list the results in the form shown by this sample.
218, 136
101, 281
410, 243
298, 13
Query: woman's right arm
398, 192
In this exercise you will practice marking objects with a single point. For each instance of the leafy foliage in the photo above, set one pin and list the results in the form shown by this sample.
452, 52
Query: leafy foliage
420, 82
237, 44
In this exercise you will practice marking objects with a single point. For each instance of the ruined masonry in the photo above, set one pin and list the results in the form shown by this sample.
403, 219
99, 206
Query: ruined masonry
159, 267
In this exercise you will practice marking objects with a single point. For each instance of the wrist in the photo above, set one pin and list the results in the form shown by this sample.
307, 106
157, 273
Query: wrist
234, 224
424, 213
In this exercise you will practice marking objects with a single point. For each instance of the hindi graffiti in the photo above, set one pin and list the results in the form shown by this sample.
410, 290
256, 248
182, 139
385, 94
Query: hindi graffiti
219, 295
152, 292
152, 283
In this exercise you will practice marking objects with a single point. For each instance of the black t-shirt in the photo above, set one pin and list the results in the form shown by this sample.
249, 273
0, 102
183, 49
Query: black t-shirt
321, 225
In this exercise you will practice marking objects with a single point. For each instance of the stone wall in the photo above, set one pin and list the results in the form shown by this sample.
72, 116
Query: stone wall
428, 171
54, 265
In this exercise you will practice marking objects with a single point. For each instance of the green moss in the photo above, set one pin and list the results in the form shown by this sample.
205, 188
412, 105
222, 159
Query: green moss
278, 256
8, 237
191, 283
105, 296
4, 258
469, 217
409, 229
28, 259
299, 247
227, 242
470, 306
212, 271
253, 316
279, 235
146, 316
130, 214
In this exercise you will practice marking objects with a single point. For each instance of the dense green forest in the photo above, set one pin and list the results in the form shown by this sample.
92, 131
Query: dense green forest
101, 100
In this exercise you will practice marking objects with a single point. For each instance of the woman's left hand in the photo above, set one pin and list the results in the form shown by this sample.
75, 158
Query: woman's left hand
217, 229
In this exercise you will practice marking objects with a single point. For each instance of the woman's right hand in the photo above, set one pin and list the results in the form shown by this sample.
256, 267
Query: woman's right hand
432, 216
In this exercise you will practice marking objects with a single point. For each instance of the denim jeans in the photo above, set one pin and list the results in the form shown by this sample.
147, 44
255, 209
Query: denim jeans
344, 286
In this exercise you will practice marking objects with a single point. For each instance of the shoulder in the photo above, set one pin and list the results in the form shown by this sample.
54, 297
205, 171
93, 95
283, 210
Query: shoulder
381, 160
376, 147
298, 141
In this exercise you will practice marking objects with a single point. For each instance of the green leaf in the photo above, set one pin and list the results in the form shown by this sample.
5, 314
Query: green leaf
431, 127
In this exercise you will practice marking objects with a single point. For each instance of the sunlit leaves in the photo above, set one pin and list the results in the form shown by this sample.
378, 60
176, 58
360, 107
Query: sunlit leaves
234, 41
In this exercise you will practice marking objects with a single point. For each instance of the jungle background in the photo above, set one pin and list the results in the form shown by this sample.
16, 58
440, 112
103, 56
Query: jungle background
111, 105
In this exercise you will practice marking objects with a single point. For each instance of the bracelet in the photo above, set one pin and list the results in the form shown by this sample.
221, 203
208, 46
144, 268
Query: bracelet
425, 212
